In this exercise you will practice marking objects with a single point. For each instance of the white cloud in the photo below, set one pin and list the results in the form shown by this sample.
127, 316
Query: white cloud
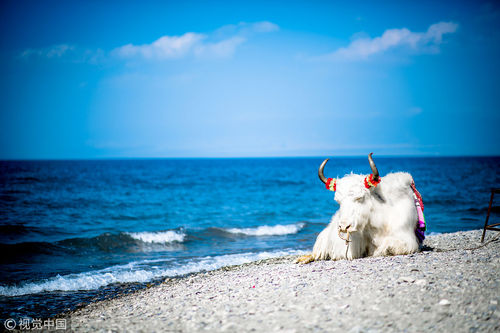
163, 48
436, 31
220, 44
265, 26
55, 51
65, 52
245, 28
170, 47
429, 41
222, 49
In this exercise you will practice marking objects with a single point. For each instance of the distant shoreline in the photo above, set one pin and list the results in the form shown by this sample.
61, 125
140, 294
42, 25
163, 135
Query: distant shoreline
443, 288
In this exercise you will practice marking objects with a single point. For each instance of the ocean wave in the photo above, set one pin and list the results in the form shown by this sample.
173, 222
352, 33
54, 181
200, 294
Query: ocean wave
267, 230
161, 237
135, 272
107, 242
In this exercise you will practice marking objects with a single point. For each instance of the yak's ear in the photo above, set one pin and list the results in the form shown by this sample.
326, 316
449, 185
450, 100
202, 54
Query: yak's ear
337, 199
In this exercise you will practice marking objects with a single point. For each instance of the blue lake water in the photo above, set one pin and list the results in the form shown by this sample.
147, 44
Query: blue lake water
71, 231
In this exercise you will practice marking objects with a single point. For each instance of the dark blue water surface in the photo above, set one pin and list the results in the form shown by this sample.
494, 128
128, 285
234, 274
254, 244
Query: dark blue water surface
71, 230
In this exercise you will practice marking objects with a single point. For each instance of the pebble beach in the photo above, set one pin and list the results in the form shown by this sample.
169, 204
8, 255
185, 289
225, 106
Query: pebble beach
452, 285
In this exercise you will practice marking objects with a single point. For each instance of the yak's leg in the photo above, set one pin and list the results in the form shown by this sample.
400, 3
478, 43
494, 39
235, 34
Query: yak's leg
305, 259
328, 245
321, 249
394, 246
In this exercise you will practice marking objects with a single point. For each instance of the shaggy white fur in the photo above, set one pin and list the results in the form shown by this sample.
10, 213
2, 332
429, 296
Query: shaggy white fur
380, 221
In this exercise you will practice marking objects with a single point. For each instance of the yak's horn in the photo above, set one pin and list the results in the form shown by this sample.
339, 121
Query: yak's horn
320, 171
374, 167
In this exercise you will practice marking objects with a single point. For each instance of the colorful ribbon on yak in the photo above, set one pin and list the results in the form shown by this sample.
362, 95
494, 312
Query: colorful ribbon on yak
419, 204
370, 182
331, 184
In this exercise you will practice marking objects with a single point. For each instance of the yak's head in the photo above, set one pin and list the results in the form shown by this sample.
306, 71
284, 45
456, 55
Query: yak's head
354, 193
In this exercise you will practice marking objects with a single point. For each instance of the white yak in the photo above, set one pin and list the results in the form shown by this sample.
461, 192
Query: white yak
377, 217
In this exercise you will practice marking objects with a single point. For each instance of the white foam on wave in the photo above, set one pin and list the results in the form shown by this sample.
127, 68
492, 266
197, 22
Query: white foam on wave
267, 230
134, 272
158, 236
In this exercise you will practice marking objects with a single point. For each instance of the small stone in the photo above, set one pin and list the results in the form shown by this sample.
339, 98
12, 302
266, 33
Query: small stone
444, 302
408, 279
421, 282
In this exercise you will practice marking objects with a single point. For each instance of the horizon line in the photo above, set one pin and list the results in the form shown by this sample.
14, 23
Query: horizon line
237, 157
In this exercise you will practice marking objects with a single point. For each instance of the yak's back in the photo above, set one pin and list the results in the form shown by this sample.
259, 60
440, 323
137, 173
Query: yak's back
395, 186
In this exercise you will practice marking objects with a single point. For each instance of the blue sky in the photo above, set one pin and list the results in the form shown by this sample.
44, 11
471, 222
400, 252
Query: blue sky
233, 79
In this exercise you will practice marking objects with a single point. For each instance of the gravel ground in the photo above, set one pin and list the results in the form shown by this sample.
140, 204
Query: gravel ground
444, 288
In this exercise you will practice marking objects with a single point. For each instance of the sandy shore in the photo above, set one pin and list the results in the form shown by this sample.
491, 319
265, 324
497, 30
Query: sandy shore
444, 288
